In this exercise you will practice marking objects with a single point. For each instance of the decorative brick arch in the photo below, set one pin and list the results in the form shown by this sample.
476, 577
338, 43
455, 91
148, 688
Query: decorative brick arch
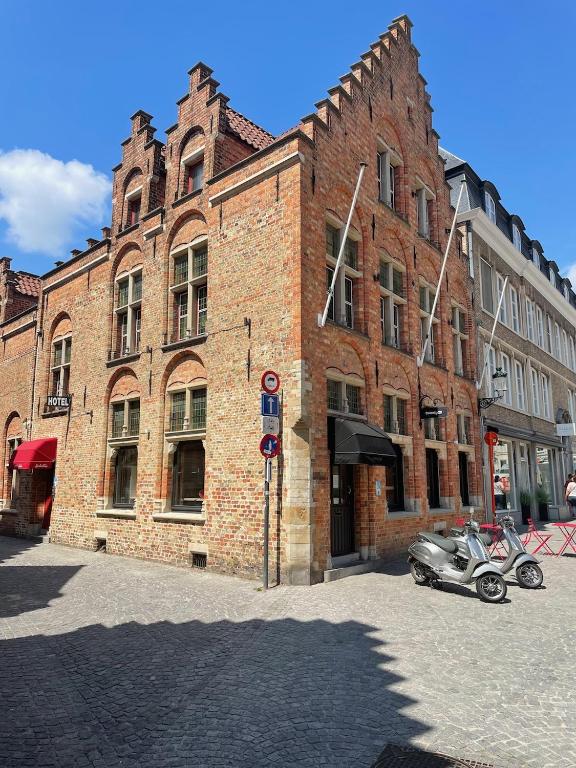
186, 228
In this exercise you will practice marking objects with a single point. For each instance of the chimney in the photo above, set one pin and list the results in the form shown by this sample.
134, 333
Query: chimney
92, 242
106, 231
58, 263
75, 252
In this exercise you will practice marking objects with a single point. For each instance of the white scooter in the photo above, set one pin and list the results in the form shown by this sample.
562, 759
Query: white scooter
434, 559
528, 572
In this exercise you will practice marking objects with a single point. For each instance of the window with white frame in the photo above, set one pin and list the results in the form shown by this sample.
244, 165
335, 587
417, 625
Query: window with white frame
552, 275
539, 327
190, 290
572, 354
564, 347
557, 343
459, 340
490, 206
535, 385
392, 303
549, 336
434, 429
395, 409
516, 237
128, 312
514, 309
545, 399
193, 171
530, 320
342, 308
490, 366
424, 207
505, 365
427, 294
388, 164
536, 257
125, 418
133, 206
572, 405
344, 397
519, 385
486, 286
503, 317
61, 355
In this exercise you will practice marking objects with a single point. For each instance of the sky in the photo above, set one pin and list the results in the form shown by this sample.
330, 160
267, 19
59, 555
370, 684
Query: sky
501, 76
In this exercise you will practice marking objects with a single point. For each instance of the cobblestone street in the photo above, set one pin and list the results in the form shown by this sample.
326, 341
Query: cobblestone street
108, 662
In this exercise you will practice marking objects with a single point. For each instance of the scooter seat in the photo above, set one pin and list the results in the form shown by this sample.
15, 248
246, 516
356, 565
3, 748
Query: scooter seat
446, 544
485, 538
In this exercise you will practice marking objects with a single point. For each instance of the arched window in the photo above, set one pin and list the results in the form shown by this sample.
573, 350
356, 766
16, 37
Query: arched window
60, 361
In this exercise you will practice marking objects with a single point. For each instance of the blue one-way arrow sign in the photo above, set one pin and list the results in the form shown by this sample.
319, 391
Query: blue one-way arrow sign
270, 405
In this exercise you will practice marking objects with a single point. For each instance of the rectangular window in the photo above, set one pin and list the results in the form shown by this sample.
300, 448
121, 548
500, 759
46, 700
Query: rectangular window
137, 328
334, 401
422, 213
351, 253
557, 346
349, 302
505, 365
530, 320
177, 411
389, 414
123, 332
198, 409
397, 282
188, 476
545, 390
133, 417
182, 310
539, 327
394, 481
125, 477
395, 415
181, 269
514, 309
122, 300
117, 419
202, 308
490, 206
548, 339
401, 419
199, 262
353, 399
486, 285
133, 216
503, 317
386, 179
137, 287
572, 354
516, 237
519, 383
329, 278
194, 176
535, 392
564, 347
332, 241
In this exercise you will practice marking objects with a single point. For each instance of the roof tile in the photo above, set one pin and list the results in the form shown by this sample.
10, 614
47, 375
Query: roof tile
247, 130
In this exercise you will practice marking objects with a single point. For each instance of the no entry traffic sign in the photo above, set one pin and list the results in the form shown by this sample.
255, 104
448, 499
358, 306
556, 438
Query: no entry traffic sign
491, 438
270, 382
270, 446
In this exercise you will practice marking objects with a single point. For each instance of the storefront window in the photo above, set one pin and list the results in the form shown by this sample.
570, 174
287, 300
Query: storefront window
545, 472
503, 478
125, 480
188, 476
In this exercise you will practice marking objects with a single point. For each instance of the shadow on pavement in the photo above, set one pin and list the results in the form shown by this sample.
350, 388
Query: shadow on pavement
254, 693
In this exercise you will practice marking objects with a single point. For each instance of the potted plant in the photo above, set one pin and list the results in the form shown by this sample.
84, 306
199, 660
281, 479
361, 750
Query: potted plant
525, 504
542, 500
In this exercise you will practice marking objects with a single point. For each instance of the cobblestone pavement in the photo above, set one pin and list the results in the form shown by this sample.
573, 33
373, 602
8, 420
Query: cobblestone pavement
107, 661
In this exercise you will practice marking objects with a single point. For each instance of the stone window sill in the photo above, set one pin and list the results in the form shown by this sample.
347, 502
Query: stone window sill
440, 511
124, 514
180, 517
403, 513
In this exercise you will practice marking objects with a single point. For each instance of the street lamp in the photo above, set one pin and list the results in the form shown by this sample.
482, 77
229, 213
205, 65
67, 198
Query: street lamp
499, 390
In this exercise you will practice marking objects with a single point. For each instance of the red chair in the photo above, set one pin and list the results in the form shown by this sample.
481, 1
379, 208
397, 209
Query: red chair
541, 538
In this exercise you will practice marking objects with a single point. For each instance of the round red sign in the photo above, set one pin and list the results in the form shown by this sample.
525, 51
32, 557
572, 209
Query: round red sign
270, 446
270, 382
491, 438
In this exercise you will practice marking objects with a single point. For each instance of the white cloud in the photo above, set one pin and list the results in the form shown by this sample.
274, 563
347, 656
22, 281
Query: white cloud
45, 201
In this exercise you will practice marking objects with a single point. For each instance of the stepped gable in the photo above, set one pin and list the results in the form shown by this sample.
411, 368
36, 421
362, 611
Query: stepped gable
356, 82
246, 130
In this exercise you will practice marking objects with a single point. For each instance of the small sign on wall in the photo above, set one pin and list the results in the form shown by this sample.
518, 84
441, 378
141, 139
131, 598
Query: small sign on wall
378, 488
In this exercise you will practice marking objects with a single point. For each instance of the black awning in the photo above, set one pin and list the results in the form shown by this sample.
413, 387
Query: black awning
357, 442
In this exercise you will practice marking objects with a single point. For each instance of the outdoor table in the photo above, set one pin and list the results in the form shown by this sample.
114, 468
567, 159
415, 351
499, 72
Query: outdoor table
568, 531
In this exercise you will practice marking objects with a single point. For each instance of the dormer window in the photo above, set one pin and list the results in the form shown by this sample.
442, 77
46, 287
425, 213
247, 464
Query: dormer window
516, 237
552, 277
133, 203
490, 206
536, 257
193, 168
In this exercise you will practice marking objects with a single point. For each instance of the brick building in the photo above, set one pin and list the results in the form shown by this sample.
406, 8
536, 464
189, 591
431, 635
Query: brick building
214, 269
534, 344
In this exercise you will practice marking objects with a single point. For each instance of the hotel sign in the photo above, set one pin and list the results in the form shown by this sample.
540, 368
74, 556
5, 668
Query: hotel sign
433, 412
62, 402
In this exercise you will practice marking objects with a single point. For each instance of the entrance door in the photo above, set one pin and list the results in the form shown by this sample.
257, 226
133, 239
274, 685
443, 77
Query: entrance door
463, 470
342, 509
432, 478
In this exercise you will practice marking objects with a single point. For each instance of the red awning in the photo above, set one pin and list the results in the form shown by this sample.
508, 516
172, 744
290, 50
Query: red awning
35, 454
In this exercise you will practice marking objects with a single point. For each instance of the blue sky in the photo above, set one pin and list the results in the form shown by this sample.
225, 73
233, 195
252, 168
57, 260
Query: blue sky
501, 77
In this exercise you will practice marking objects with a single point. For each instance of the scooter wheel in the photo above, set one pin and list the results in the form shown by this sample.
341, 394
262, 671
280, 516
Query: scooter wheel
529, 575
418, 572
491, 588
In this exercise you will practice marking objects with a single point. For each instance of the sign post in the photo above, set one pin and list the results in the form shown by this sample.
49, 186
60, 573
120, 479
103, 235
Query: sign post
491, 439
269, 448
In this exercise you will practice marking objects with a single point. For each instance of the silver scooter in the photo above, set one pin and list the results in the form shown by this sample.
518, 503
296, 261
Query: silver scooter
528, 572
434, 559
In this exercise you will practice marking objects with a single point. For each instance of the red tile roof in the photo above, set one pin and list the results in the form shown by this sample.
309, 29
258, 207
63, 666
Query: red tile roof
27, 284
247, 130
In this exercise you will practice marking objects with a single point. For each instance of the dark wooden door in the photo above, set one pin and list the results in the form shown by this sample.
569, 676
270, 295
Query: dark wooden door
342, 509
463, 469
432, 478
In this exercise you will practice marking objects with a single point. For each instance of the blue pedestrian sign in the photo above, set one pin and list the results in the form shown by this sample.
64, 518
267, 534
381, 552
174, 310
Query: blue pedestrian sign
270, 405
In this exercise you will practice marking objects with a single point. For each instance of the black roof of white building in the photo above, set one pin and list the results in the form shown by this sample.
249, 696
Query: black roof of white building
474, 196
